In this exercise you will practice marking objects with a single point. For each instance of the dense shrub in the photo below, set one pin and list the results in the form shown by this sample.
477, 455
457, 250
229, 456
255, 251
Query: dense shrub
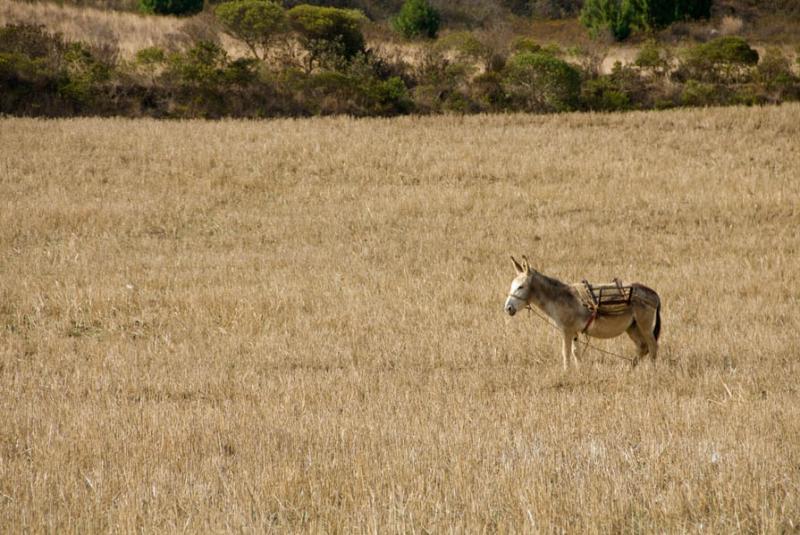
603, 94
86, 74
525, 44
465, 47
699, 94
328, 34
417, 18
171, 7
775, 68
254, 22
357, 90
373, 9
775, 74
724, 59
439, 82
149, 62
40, 71
538, 81
31, 69
651, 58
205, 82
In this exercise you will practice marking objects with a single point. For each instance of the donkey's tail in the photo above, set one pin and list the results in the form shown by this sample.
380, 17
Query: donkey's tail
657, 328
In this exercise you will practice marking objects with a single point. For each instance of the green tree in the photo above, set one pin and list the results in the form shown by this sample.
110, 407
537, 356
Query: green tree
254, 22
620, 17
327, 32
171, 7
655, 14
692, 9
538, 81
615, 16
417, 18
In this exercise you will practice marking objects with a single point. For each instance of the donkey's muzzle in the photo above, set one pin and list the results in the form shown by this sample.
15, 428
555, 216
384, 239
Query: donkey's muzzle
510, 309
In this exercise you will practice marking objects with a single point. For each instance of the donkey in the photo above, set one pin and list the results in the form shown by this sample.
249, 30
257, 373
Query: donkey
640, 317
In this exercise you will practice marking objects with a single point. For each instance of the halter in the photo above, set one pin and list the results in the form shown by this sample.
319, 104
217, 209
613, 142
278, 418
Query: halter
518, 298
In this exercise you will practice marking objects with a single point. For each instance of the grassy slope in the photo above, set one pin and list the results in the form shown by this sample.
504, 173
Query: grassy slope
132, 31
286, 324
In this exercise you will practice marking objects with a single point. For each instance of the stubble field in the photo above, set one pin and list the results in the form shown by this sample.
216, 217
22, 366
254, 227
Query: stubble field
297, 324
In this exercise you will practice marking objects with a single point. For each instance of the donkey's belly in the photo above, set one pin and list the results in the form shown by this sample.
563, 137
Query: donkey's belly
610, 326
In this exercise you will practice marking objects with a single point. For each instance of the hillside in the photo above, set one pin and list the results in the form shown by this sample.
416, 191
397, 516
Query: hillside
764, 22
104, 59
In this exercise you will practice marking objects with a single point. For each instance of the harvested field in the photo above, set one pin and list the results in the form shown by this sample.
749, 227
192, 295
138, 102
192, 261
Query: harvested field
297, 324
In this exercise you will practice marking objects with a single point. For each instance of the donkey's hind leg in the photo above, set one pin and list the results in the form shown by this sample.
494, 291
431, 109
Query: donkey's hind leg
641, 345
645, 321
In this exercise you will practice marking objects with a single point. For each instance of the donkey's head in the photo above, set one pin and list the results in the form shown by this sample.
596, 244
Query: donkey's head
520, 293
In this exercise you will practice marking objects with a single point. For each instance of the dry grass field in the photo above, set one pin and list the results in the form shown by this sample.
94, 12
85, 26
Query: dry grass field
297, 324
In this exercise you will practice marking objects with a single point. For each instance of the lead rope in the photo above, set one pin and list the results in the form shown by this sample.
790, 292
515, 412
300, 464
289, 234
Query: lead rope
586, 343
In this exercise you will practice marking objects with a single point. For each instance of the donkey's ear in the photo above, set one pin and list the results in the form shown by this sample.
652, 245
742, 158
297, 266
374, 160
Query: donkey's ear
517, 267
526, 266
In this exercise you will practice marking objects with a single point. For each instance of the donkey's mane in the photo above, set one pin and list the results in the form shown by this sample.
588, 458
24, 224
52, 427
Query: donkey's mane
552, 288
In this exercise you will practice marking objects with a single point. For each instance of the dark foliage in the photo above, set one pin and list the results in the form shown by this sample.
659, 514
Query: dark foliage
171, 7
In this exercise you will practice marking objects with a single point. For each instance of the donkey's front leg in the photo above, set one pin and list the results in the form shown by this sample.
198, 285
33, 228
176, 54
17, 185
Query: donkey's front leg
568, 349
575, 351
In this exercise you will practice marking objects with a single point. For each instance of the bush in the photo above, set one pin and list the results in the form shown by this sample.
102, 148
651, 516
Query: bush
540, 82
357, 90
417, 18
775, 69
202, 66
86, 73
40, 71
149, 62
724, 59
465, 47
254, 22
651, 58
327, 33
171, 7
698, 94
525, 44
29, 83
775, 74
623, 89
603, 94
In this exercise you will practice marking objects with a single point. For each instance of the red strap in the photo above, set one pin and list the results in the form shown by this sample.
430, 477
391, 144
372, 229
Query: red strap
591, 319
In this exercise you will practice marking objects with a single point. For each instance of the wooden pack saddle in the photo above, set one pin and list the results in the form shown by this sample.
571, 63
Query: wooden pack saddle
605, 299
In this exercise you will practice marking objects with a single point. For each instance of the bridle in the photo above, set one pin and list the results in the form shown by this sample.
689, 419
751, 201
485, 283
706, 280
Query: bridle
518, 298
